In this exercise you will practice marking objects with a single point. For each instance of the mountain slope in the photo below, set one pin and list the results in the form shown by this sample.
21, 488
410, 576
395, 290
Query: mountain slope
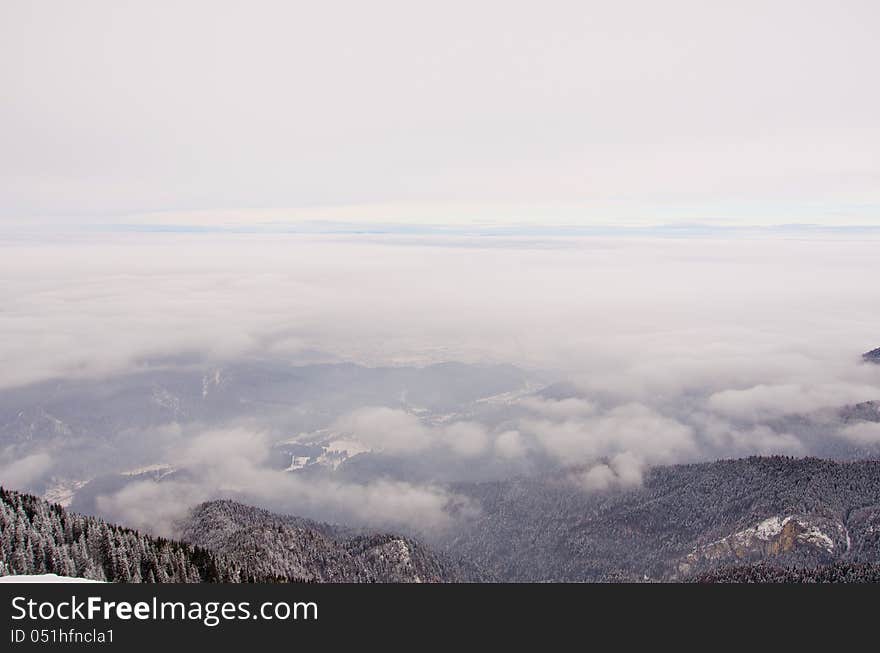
685, 520
38, 537
838, 572
227, 542
758, 519
318, 552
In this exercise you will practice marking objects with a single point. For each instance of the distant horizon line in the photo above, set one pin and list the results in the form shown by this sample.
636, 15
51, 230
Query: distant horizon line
525, 229
557, 232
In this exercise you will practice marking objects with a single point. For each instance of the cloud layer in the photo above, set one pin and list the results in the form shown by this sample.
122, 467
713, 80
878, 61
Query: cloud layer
674, 350
629, 318
230, 463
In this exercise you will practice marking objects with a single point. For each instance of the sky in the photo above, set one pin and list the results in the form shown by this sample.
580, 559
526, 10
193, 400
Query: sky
455, 113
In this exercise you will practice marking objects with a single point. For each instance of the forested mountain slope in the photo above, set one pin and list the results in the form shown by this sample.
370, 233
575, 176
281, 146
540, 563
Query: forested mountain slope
758, 519
280, 544
228, 542
838, 572
38, 537
684, 520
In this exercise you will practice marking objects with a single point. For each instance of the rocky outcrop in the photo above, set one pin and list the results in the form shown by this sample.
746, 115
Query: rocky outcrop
803, 538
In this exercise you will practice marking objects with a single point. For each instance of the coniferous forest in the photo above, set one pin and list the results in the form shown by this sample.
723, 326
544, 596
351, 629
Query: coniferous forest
38, 537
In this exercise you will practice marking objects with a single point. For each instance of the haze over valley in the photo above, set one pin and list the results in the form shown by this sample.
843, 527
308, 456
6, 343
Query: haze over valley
149, 375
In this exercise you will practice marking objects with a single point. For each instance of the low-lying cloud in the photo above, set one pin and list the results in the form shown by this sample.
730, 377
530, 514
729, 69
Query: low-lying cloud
672, 350
229, 463
22, 472
624, 471
771, 401
639, 319
629, 428
387, 430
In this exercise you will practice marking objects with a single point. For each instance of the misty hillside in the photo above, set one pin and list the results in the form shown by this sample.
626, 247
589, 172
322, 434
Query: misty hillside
291, 546
38, 537
99, 445
872, 356
93, 427
684, 520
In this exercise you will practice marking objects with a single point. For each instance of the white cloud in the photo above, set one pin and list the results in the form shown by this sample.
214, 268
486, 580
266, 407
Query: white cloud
624, 471
864, 433
723, 438
396, 431
631, 428
681, 317
153, 507
769, 401
466, 439
229, 463
21, 473
559, 409
385, 429
509, 444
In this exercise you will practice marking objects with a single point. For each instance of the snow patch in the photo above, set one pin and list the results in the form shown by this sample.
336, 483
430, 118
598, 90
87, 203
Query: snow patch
159, 470
816, 537
768, 529
63, 492
164, 399
209, 380
44, 578
348, 447
297, 462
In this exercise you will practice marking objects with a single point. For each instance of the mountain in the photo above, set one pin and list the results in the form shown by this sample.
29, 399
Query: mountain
292, 546
38, 537
684, 521
758, 519
226, 542
872, 356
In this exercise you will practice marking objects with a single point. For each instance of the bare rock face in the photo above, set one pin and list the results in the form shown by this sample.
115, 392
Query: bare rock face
872, 356
798, 537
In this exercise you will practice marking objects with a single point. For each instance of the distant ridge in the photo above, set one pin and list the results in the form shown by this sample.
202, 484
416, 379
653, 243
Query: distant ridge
281, 545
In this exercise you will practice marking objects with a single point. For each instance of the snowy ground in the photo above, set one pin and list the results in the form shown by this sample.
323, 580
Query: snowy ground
44, 578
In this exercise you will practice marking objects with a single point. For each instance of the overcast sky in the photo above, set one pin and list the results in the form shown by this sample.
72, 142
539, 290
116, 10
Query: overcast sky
577, 112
